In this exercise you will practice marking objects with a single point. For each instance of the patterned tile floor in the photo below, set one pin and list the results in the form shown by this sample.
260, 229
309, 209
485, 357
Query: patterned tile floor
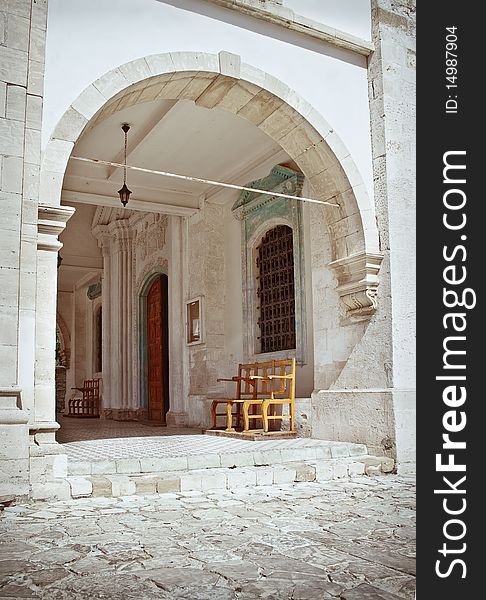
87, 439
76, 430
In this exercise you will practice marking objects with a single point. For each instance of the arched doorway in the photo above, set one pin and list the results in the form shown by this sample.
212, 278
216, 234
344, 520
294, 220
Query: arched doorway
343, 246
155, 349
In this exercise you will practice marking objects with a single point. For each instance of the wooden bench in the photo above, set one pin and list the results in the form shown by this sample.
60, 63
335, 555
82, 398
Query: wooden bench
89, 404
261, 388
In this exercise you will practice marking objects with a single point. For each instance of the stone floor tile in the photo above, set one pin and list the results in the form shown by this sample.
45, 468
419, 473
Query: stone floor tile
296, 541
368, 592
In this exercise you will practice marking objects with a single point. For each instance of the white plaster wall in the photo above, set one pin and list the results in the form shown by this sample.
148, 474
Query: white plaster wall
85, 40
352, 16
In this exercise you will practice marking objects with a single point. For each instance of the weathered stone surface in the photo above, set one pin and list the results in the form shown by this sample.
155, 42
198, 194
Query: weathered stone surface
290, 541
101, 486
47, 576
305, 472
368, 592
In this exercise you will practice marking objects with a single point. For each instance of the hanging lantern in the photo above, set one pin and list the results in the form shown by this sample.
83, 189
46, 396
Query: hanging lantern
124, 192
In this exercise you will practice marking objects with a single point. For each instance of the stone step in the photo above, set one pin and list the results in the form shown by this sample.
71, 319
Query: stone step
252, 458
221, 478
378, 464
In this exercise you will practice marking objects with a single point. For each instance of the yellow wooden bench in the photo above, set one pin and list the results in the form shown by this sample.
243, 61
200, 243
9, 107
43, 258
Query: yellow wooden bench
261, 388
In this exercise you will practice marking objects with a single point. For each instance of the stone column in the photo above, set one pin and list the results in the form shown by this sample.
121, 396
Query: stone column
392, 106
46, 459
21, 89
122, 401
177, 415
104, 241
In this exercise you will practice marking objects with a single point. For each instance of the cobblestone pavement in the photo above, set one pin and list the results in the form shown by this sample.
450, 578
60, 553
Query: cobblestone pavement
349, 539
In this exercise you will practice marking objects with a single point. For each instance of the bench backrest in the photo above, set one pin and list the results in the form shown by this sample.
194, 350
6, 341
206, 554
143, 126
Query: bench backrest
91, 389
261, 388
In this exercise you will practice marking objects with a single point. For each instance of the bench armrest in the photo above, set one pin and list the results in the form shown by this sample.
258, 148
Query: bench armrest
236, 378
270, 377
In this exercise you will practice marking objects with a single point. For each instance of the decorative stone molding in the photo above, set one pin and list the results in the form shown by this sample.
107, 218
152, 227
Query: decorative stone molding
357, 277
122, 234
52, 222
281, 179
152, 237
94, 290
275, 12
11, 411
258, 214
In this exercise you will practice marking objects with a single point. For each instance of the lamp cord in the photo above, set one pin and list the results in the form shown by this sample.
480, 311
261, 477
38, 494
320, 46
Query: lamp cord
125, 167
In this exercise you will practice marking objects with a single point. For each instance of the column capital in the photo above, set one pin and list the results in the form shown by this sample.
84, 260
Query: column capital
122, 233
51, 221
103, 236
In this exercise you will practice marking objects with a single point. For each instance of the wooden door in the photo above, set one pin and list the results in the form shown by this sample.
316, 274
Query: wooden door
157, 358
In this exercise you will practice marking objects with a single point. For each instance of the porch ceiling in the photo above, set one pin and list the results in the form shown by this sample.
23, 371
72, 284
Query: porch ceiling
175, 136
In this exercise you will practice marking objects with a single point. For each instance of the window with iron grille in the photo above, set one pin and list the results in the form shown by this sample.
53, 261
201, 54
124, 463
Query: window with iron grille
276, 290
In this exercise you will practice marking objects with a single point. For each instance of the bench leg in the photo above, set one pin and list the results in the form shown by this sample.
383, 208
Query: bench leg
229, 416
265, 406
246, 420
214, 407
238, 415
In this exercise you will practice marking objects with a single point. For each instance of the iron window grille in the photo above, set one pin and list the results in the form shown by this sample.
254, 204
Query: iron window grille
276, 290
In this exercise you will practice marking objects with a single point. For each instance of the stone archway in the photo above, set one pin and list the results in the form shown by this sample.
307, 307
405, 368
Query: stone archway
353, 258
224, 81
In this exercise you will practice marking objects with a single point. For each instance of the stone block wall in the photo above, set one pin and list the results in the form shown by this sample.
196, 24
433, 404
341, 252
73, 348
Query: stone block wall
392, 102
22, 40
360, 416
365, 383
206, 278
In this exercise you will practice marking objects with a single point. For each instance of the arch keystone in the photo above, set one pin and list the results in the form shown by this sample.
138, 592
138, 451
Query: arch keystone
229, 64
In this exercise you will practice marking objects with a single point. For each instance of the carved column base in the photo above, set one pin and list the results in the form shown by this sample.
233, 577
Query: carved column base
48, 463
124, 414
14, 444
176, 419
